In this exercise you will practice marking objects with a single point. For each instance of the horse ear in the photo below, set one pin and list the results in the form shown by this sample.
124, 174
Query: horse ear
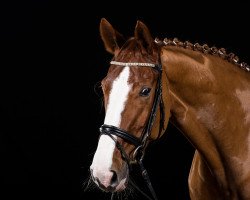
142, 34
111, 38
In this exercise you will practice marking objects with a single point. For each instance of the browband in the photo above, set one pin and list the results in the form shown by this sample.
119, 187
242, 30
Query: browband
132, 64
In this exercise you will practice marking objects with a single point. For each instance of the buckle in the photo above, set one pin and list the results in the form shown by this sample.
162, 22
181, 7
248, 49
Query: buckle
137, 155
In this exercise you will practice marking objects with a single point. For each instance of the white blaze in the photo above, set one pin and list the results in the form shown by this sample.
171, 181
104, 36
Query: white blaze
102, 161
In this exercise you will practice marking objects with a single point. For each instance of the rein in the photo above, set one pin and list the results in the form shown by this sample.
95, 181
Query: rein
139, 143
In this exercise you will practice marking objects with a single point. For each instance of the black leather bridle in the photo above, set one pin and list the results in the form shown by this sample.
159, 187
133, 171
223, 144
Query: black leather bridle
139, 143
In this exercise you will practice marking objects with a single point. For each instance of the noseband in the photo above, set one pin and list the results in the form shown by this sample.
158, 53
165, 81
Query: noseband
139, 143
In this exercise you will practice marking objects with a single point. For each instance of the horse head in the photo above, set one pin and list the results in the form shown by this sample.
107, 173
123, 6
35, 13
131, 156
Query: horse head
136, 113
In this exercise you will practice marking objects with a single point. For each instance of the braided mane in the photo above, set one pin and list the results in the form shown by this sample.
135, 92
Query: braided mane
221, 52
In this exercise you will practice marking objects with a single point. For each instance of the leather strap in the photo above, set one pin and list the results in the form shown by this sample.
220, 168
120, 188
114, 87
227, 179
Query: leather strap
108, 129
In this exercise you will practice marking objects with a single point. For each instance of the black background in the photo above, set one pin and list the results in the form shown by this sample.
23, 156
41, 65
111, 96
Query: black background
51, 59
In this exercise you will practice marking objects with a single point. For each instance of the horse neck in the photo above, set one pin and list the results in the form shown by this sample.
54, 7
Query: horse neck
210, 103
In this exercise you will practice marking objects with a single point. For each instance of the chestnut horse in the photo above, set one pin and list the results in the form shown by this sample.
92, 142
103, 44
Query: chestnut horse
203, 91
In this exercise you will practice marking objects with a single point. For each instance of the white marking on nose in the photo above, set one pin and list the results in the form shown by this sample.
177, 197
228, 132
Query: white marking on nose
102, 161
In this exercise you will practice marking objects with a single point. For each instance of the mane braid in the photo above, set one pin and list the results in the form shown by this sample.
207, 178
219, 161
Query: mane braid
230, 57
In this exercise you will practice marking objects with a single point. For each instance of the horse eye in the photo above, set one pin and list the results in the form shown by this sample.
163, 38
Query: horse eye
145, 92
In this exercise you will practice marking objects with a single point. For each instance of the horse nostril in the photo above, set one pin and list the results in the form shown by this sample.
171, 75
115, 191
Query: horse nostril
114, 178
